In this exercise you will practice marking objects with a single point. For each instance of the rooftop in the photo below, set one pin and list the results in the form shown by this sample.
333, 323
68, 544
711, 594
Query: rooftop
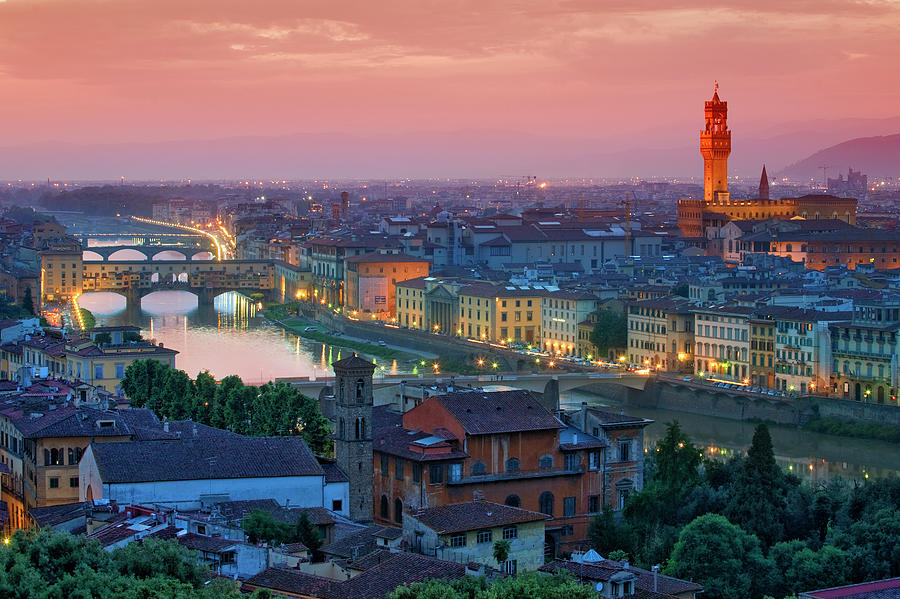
473, 515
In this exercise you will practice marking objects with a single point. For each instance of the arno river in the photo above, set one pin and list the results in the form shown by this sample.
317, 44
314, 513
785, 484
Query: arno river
230, 338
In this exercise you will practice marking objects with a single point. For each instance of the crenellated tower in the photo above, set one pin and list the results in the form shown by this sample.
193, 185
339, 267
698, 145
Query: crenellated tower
715, 147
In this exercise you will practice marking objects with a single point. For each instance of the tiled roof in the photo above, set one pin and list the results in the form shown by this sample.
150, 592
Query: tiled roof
611, 419
602, 570
390, 437
56, 514
888, 588
333, 472
376, 257
204, 458
356, 544
473, 515
374, 583
205, 543
484, 413
71, 421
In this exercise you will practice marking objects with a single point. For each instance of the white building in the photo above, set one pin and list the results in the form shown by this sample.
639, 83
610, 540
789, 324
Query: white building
189, 473
561, 311
722, 342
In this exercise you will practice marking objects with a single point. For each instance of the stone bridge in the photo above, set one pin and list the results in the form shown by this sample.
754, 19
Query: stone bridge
547, 385
204, 251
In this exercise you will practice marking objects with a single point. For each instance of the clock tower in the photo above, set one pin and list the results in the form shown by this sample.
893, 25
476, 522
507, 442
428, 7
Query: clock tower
715, 147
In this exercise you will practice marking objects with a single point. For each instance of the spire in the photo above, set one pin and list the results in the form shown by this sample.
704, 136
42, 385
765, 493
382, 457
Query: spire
715, 97
764, 185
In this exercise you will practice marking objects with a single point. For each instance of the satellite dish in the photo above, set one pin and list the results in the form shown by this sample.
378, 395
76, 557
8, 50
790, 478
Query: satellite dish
599, 586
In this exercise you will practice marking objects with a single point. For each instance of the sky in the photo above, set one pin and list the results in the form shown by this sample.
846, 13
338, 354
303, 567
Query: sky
406, 77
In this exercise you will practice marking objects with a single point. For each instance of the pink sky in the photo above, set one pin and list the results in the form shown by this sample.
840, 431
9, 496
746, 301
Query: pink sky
630, 72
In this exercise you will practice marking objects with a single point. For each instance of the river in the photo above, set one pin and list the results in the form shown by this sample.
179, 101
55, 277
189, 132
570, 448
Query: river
815, 457
228, 338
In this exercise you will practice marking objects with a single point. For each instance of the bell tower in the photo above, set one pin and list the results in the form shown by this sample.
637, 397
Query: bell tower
353, 431
715, 147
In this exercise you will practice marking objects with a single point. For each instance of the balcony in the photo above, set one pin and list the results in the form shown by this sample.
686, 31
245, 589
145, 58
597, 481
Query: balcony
518, 475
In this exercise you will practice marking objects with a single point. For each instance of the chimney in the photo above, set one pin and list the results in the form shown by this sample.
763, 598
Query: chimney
656, 578
165, 424
625, 564
574, 438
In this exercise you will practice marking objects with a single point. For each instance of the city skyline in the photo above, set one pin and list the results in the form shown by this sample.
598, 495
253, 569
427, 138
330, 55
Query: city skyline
139, 89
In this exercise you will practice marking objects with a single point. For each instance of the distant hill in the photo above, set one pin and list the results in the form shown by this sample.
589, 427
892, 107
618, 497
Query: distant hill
875, 156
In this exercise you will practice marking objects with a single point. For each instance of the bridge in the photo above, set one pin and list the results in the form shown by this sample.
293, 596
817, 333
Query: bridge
205, 250
141, 238
548, 385
204, 278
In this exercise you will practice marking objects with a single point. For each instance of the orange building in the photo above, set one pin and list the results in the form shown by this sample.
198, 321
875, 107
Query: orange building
370, 281
507, 448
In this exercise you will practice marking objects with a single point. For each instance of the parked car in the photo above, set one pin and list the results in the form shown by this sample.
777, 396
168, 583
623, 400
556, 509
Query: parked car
382, 343
309, 329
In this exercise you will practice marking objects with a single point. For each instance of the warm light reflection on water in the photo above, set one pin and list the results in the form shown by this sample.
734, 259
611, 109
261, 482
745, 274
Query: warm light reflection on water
227, 338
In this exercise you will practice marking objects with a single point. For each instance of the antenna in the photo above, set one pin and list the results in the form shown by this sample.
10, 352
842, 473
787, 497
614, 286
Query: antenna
824, 168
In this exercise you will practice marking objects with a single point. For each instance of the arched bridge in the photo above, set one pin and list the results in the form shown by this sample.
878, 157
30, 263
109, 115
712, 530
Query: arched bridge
547, 384
125, 253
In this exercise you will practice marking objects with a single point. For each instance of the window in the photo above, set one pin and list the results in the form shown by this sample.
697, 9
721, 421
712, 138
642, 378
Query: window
454, 473
624, 451
54, 482
513, 501
73, 482
98, 371
593, 504
384, 507
417, 473
398, 468
478, 468
484, 536
385, 465
120, 370
511, 566
398, 511
458, 540
337, 505
511, 532
546, 461
568, 507
546, 503
436, 474
594, 460
567, 531
572, 461
201, 529
512, 465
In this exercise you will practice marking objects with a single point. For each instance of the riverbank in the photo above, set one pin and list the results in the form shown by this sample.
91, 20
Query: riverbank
857, 430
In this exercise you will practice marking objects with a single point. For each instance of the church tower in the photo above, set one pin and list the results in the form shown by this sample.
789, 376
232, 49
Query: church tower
353, 431
764, 185
715, 147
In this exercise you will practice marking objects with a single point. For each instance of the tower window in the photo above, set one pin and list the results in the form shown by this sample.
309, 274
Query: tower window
360, 390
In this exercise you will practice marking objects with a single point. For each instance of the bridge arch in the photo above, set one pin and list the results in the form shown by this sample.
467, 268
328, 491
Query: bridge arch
169, 255
126, 255
204, 255
91, 256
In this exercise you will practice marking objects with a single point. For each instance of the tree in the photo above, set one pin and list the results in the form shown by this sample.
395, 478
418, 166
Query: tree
682, 290
677, 460
757, 498
604, 534
532, 585
103, 338
315, 428
803, 569
28, 301
153, 557
610, 331
307, 533
260, 526
143, 381
501, 551
204, 397
724, 558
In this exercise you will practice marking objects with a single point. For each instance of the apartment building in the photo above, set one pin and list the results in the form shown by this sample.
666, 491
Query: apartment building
561, 311
722, 343
661, 334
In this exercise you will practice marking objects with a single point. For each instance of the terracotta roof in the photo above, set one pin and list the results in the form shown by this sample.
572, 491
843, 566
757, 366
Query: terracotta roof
485, 413
376, 257
603, 570
204, 458
333, 472
205, 543
56, 514
473, 515
374, 583
888, 588
390, 437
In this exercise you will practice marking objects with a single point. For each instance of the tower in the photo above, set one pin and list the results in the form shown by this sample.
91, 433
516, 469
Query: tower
715, 147
764, 185
353, 431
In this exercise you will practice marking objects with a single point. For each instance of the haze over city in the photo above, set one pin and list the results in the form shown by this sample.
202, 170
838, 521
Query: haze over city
102, 89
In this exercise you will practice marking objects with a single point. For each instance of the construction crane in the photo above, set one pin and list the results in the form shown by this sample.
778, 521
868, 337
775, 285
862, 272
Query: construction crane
824, 169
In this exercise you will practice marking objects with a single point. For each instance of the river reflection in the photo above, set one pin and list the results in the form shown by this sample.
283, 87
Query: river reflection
225, 338
815, 457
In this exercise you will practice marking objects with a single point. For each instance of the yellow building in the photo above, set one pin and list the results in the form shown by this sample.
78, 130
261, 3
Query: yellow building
62, 273
410, 303
501, 313
104, 365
